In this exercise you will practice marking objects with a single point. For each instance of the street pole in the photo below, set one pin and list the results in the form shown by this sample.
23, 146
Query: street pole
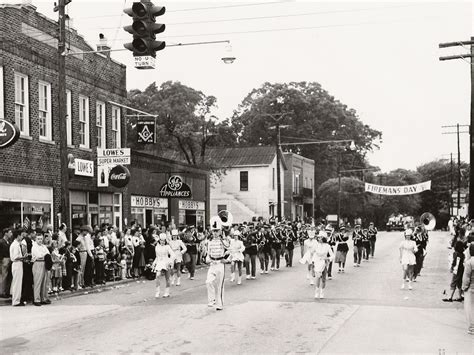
451, 187
278, 172
471, 126
471, 139
459, 169
339, 193
62, 113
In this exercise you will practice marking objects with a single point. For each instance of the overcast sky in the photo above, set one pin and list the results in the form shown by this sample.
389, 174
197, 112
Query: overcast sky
380, 58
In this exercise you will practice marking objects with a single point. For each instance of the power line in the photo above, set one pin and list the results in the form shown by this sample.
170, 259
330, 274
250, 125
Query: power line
280, 16
204, 8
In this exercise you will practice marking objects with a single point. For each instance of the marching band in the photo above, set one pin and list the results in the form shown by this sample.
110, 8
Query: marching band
240, 245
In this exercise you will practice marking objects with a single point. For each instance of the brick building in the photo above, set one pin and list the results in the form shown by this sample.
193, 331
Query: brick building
96, 92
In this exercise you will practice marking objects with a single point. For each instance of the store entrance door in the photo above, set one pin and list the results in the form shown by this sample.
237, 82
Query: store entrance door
148, 217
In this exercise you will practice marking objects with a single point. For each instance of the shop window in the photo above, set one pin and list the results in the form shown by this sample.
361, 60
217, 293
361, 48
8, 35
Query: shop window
138, 216
78, 216
10, 214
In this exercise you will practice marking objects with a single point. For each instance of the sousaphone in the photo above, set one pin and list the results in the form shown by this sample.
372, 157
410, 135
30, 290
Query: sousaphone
428, 221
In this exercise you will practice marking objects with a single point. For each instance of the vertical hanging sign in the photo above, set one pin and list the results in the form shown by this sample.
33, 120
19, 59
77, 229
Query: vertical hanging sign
146, 131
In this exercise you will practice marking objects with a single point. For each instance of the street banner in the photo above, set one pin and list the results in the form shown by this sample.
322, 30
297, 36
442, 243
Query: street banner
398, 190
146, 131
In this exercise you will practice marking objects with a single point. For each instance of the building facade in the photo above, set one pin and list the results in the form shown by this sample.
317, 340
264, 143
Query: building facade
299, 186
30, 169
247, 186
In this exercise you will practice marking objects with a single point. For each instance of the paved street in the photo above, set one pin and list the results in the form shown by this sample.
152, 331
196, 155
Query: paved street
364, 312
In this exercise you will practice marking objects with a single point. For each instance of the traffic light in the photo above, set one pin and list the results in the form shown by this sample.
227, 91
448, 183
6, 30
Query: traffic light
144, 28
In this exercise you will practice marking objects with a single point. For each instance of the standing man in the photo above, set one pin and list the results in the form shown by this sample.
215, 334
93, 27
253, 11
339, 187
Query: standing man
216, 252
5, 263
16, 256
250, 253
38, 252
372, 232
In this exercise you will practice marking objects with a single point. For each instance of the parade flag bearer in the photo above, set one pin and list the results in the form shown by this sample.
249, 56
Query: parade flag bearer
216, 254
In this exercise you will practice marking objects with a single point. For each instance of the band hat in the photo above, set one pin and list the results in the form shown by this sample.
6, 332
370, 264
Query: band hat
163, 236
174, 232
236, 232
408, 232
322, 234
311, 234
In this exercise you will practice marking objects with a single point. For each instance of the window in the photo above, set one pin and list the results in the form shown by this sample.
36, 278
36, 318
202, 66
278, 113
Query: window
273, 179
2, 114
68, 117
22, 118
100, 124
244, 181
44, 110
305, 182
83, 122
116, 137
296, 182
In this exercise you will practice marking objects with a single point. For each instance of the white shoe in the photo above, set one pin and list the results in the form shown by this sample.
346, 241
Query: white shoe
308, 276
172, 280
312, 281
178, 281
266, 271
261, 272
248, 277
253, 277
409, 286
239, 280
211, 304
329, 277
167, 292
316, 293
403, 286
321, 293
232, 277
157, 293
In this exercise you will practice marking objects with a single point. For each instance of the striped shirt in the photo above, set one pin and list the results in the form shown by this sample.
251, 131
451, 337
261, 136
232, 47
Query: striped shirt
216, 249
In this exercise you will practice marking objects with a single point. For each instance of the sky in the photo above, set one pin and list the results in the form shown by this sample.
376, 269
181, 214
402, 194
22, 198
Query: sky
379, 58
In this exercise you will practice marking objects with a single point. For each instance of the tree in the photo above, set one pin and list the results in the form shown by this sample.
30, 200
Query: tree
312, 114
184, 115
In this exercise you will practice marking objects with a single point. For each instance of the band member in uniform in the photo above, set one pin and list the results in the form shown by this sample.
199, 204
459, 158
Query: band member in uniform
342, 248
420, 240
179, 249
251, 245
236, 250
309, 246
216, 253
264, 249
322, 256
275, 232
365, 244
331, 240
163, 263
372, 232
191, 242
357, 238
290, 241
408, 250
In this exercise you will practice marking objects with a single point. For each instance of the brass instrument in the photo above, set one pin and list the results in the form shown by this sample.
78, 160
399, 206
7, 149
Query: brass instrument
428, 221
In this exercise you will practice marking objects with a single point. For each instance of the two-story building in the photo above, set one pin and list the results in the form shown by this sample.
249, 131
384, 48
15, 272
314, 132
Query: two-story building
247, 186
30, 169
299, 186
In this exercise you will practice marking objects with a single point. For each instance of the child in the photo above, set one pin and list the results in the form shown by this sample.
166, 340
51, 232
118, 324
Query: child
99, 262
457, 269
123, 265
76, 265
56, 271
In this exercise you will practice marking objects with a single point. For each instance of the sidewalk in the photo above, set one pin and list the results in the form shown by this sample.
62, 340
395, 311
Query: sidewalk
110, 285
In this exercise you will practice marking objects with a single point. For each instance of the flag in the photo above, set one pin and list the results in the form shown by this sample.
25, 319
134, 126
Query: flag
40, 222
26, 223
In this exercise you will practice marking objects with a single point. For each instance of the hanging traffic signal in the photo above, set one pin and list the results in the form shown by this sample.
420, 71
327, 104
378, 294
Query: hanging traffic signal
144, 29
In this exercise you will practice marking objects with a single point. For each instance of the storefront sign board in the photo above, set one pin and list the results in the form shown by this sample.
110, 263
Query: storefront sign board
148, 201
175, 187
84, 167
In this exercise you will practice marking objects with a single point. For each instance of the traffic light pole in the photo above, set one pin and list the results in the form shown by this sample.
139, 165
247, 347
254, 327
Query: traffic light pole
62, 113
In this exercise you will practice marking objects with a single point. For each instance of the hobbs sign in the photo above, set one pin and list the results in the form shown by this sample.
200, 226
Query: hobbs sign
175, 187
119, 176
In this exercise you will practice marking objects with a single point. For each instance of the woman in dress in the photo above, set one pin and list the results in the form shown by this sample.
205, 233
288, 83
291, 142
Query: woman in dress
322, 256
468, 288
309, 246
179, 249
342, 248
128, 251
407, 258
138, 257
163, 263
236, 252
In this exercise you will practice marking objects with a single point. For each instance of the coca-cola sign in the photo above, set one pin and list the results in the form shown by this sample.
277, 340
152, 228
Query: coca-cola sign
9, 133
119, 176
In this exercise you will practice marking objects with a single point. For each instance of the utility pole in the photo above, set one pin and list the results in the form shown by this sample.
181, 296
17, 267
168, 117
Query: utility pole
471, 126
277, 118
62, 113
457, 132
451, 187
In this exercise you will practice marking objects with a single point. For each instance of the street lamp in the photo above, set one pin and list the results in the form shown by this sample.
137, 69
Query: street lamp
228, 58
